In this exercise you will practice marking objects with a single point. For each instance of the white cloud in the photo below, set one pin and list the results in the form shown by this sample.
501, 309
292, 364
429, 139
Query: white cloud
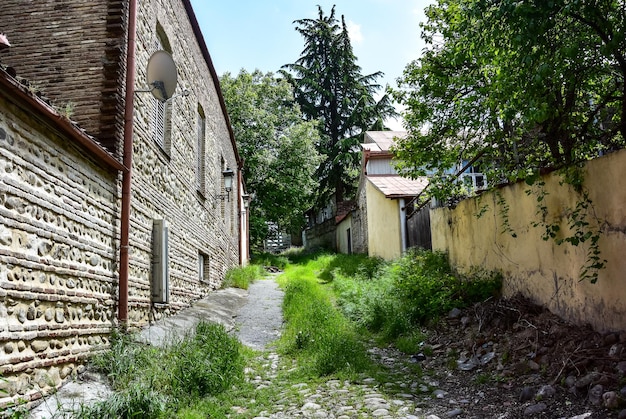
354, 29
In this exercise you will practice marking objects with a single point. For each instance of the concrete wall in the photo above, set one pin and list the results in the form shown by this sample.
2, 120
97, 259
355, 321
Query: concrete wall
542, 270
58, 255
383, 222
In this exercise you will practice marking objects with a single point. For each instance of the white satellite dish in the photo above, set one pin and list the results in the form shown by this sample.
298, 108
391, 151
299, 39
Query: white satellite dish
162, 75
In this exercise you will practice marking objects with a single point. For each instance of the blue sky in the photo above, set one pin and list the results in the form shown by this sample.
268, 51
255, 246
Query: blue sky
254, 34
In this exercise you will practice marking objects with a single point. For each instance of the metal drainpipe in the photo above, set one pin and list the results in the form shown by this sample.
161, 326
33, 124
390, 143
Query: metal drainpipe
239, 179
128, 159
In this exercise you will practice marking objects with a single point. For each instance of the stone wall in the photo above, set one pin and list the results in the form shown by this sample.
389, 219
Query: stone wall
164, 178
59, 234
359, 220
58, 255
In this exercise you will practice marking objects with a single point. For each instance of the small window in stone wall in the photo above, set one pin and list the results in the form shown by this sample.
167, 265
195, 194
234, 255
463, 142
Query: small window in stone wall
203, 268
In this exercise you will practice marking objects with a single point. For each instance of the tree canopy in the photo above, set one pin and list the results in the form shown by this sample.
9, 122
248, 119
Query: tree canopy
524, 84
329, 87
277, 146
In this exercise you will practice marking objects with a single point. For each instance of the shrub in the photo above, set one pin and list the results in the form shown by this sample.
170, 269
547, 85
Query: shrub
136, 401
148, 381
407, 292
270, 259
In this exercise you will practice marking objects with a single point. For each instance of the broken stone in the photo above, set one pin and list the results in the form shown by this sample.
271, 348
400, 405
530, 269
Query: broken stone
587, 380
610, 400
527, 394
534, 409
455, 313
546, 392
595, 395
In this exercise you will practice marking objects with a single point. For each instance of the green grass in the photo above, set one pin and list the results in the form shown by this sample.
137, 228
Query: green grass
334, 307
408, 293
242, 276
316, 333
152, 382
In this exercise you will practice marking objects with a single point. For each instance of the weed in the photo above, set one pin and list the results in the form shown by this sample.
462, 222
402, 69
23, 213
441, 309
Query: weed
316, 332
150, 381
412, 343
242, 276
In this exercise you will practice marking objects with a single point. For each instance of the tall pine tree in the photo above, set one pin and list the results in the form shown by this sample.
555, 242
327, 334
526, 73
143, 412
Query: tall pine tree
329, 87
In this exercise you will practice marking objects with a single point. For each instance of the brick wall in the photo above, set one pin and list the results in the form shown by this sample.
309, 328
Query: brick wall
57, 255
73, 51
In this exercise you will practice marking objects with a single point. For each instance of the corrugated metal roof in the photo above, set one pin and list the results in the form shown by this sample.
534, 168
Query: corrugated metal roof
383, 139
397, 186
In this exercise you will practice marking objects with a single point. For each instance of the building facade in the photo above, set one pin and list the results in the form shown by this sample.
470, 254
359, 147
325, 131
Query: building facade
379, 224
72, 264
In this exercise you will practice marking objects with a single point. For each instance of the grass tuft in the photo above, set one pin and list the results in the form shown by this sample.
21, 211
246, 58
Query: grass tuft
150, 382
242, 276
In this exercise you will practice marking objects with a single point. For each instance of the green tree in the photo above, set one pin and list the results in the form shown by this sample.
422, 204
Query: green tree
330, 88
524, 85
277, 146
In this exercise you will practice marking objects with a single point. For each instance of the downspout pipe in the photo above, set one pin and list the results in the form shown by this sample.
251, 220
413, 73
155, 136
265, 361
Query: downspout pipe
129, 104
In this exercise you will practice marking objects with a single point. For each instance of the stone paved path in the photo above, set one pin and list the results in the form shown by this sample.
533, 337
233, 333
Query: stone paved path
260, 319
256, 318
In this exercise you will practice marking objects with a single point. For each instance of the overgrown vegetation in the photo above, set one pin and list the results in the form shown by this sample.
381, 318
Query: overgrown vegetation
334, 308
408, 293
242, 276
316, 333
151, 382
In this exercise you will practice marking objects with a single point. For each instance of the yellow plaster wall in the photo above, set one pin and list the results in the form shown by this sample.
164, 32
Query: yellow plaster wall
546, 272
383, 221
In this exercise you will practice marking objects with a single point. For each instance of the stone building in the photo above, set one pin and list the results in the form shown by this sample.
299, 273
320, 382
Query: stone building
114, 207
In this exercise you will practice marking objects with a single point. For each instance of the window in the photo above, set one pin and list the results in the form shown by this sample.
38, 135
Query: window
200, 150
203, 268
161, 111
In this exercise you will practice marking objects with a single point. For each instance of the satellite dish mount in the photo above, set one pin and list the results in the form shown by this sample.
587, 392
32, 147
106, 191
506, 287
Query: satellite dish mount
162, 76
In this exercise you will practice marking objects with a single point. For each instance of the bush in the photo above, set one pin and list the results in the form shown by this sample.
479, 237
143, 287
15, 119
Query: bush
148, 381
413, 290
269, 259
136, 401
